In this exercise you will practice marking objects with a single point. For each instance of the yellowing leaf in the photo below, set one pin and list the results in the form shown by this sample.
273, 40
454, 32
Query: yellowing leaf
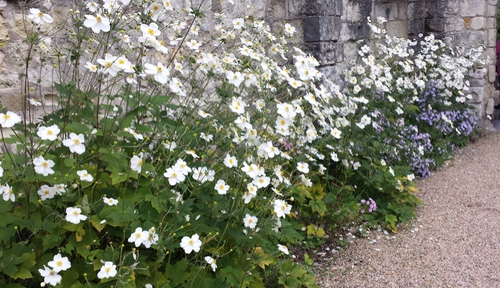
311, 229
261, 258
320, 232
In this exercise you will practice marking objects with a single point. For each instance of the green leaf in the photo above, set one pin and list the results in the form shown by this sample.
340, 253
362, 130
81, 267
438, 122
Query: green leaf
77, 128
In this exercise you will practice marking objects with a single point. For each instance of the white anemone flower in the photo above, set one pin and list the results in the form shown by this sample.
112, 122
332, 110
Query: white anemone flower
136, 164
85, 176
97, 23
250, 221
48, 133
108, 270
50, 276
39, 17
42, 166
190, 244
9, 119
75, 143
74, 215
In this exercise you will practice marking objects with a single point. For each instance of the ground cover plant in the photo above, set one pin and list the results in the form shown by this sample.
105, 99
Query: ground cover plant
179, 156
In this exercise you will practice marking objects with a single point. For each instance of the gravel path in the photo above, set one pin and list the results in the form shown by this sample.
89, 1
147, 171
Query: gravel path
455, 242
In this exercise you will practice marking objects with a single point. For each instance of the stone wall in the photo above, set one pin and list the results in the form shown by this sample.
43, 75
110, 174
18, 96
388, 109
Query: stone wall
328, 29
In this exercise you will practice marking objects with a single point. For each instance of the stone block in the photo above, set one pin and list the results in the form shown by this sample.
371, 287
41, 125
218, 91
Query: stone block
490, 106
454, 24
469, 38
321, 7
334, 7
492, 73
478, 23
472, 8
389, 11
491, 11
398, 28
477, 94
295, 7
492, 38
327, 53
491, 23
353, 31
478, 73
321, 28
434, 25
477, 82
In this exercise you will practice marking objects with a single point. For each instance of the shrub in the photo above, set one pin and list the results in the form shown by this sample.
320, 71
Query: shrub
182, 157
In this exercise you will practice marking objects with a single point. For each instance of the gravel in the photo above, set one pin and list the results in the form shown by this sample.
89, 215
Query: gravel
455, 242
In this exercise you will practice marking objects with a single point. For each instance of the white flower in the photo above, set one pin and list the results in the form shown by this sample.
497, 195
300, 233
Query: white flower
221, 187
8, 193
181, 166
9, 119
138, 237
159, 72
250, 221
286, 110
150, 31
110, 201
152, 238
43, 166
238, 23
283, 249
47, 192
230, 161
85, 176
193, 44
39, 18
107, 271
1, 170
252, 170
75, 143
59, 263
211, 261
206, 137
136, 135
92, 6
303, 167
60, 188
202, 174
174, 176
73, 215
50, 276
410, 177
190, 244
35, 102
97, 23
336, 133
109, 64
136, 164
48, 133
356, 165
261, 181
91, 67
289, 29
235, 78
281, 208
250, 193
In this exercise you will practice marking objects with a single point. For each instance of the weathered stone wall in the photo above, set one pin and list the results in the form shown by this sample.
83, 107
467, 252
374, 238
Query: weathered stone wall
329, 29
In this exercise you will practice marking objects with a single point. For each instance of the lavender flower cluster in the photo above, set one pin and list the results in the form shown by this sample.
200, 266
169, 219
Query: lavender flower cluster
459, 119
419, 144
370, 204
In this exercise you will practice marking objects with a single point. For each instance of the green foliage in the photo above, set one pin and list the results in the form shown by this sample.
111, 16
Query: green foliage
167, 165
